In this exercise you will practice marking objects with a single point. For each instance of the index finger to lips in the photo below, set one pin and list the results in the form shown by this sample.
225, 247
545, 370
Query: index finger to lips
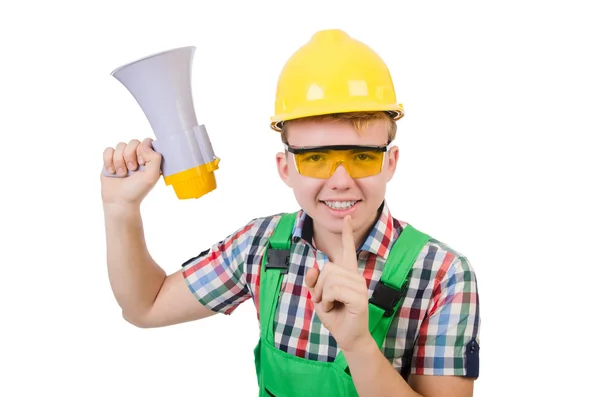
348, 246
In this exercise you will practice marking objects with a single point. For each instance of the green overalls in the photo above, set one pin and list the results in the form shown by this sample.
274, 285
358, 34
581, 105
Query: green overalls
281, 374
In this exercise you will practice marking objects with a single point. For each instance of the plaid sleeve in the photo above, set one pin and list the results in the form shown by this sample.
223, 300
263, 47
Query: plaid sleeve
216, 276
448, 340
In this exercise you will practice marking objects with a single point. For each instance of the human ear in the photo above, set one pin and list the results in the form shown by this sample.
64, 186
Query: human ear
283, 168
391, 162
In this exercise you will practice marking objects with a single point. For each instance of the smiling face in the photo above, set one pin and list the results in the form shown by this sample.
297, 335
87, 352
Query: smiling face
328, 201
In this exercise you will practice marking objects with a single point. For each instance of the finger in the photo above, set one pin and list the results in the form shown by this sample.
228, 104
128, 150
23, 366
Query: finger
346, 290
327, 305
107, 159
130, 154
149, 156
139, 151
312, 275
337, 295
320, 288
348, 247
310, 280
332, 275
329, 290
344, 279
118, 160
317, 291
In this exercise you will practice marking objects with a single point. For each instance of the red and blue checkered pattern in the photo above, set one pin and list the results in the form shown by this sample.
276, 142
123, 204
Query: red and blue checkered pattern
435, 332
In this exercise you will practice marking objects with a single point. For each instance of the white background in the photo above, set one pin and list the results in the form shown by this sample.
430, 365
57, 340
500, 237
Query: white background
499, 159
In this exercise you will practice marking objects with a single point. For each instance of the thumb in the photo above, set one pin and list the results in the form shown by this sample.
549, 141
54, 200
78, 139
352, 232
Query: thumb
152, 159
311, 278
312, 275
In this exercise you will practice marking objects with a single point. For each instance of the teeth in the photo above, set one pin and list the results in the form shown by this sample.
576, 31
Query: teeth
340, 205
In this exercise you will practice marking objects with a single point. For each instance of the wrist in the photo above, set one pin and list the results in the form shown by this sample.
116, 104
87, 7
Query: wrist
121, 210
362, 347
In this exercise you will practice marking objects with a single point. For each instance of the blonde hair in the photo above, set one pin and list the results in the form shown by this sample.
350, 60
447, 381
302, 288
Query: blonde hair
360, 120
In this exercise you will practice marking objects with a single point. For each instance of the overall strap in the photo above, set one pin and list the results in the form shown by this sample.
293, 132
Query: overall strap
275, 263
391, 288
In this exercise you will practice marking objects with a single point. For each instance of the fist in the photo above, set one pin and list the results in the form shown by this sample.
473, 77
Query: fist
121, 189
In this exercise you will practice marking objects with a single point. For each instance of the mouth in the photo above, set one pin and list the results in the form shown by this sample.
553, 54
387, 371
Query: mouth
340, 205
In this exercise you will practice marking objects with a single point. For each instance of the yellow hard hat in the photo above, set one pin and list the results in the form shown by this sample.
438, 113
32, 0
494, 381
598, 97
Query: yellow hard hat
333, 73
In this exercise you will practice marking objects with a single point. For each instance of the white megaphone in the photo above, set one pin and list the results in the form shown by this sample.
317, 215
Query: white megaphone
161, 85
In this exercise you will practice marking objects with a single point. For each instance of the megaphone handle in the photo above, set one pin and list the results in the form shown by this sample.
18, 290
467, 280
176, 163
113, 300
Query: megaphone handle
129, 172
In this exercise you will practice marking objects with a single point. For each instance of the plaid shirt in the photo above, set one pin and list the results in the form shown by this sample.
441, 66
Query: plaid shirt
435, 331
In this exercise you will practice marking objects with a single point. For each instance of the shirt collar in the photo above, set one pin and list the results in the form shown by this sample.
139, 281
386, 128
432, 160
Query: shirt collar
379, 240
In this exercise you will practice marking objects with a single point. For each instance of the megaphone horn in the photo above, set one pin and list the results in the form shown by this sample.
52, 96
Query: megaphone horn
161, 85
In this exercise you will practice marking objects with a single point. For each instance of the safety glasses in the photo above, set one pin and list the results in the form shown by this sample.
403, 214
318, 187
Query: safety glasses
322, 161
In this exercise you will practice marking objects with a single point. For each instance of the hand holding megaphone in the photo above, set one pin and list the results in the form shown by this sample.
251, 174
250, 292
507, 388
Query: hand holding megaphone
129, 172
161, 84
125, 159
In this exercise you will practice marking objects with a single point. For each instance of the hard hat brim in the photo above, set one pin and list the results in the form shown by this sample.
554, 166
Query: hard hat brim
396, 112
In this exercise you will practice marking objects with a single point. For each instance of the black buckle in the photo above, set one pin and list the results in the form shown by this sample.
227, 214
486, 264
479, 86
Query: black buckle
278, 259
386, 297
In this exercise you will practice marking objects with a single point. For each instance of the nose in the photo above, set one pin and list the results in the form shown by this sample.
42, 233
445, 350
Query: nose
340, 179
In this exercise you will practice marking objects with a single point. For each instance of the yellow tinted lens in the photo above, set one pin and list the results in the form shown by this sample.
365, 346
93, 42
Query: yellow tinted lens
322, 164
365, 163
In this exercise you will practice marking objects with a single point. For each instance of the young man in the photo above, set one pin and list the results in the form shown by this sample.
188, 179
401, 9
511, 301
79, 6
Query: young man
350, 300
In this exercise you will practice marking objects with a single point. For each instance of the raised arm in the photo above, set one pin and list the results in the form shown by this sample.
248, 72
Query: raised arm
146, 295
